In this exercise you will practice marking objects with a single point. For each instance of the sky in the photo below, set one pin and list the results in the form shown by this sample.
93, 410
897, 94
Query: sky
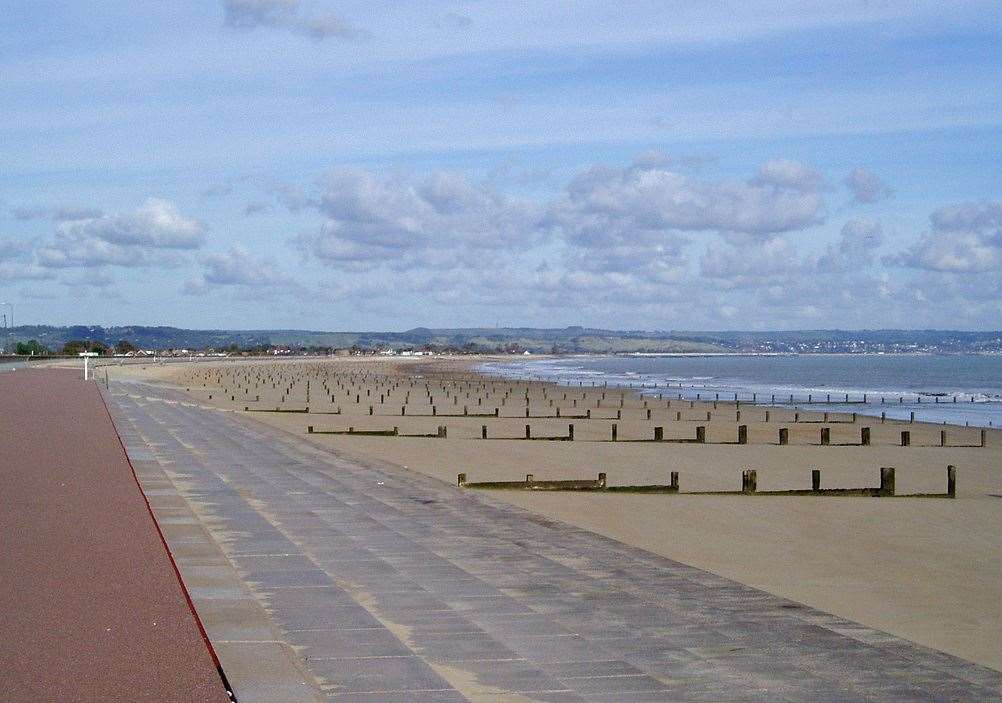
368, 165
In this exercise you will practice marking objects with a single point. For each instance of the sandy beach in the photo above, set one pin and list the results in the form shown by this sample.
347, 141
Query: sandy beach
925, 569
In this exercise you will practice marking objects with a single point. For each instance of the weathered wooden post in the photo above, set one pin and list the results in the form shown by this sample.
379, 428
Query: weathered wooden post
434, 411
767, 416
826, 436
815, 480
309, 429
370, 410
883, 417
601, 480
942, 438
443, 431
742, 434
483, 432
528, 431
864, 436
951, 481
648, 413
615, 432
701, 435
461, 480
984, 433
911, 416
659, 434
906, 438
570, 432
749, 481
886, 481
678, 415
784, 435
674, 480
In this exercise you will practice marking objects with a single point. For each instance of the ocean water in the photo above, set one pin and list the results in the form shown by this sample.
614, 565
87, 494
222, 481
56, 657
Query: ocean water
956, 389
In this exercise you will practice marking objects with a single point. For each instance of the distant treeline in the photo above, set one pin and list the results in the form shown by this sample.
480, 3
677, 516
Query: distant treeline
510, 339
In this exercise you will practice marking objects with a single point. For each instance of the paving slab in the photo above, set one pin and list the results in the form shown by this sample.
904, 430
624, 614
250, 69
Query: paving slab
378, 583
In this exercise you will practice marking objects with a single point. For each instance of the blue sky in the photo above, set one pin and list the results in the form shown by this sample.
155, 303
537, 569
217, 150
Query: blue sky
367, 165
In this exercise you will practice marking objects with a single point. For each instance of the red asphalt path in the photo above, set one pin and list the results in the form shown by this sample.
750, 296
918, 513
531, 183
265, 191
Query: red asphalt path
91, 608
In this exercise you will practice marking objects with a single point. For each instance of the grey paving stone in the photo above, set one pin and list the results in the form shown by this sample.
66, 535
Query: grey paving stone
384, 585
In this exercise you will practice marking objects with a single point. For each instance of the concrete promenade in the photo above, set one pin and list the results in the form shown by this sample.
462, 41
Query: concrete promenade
317, 575
92, 609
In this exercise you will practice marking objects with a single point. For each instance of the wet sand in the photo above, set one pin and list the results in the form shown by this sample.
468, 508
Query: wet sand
925, 569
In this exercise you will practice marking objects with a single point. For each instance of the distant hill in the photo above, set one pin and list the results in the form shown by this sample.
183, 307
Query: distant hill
539, 340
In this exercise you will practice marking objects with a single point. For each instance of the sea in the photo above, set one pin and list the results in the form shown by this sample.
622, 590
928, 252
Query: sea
956, 389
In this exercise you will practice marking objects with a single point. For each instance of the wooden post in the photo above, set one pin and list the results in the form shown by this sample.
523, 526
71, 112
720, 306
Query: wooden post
483, 432
942, 438
742, 434
906, 438
615, 432
951, 481
815, 480
601, 480
309, 429
767, 416
749, 481
659, 434
864, 436
983, 435
528, 431
570, 432
648, 413
674, 480
911, 417
701, 435
461, 480
784, 435
826, 436
886, 481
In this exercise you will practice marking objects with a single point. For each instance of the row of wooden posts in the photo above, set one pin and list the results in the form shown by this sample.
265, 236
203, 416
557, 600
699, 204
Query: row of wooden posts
749, 486
700, 436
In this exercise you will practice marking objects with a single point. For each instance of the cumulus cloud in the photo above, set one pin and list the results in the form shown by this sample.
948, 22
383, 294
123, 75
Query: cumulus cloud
644, 203
855, 249
154, 233
287, 15
756, 264
866, 187
793, 175
22, 271
57, 214
403, 223
239, 268
964, 238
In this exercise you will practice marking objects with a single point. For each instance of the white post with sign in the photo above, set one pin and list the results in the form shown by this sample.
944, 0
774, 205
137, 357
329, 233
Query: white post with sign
86, 357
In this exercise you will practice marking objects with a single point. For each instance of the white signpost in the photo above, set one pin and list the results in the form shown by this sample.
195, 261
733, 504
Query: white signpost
86, 357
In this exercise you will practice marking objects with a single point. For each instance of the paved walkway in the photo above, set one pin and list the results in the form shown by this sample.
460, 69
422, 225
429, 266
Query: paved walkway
92, 609
321, 576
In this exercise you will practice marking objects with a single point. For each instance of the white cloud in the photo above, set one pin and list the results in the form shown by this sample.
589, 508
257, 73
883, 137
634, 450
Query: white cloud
436, 221
55, 213
238, 268
285, 14
644, 203
866, 187
855, 249
965, 238
20, 271
785, 173
154, 233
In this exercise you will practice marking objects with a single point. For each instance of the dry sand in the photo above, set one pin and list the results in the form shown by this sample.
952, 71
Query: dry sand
928, 570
